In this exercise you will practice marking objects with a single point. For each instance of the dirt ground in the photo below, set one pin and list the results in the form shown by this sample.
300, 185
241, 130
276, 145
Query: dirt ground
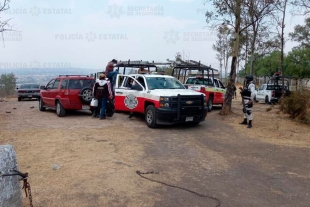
80, 161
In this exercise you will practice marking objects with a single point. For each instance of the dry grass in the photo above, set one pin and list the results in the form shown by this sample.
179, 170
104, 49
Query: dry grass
270, 125
297, 105
98, 160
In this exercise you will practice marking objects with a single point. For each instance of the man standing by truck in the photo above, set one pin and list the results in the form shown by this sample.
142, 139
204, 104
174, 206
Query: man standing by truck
111, 75
102, 91
248, 94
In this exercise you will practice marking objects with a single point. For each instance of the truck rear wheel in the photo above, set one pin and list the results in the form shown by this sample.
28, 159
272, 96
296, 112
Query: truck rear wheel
60, 111
267, 100
150, 116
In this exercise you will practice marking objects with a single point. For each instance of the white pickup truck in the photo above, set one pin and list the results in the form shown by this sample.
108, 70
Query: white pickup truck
162, 98
270, 93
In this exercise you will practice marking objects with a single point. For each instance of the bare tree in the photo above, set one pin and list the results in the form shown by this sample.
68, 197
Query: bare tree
231, 13
280, 20
301, 7
4, 24
259, 27
222, 47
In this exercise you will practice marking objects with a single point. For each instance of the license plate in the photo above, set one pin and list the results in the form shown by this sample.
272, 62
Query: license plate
29, 96
85, 107
189, 118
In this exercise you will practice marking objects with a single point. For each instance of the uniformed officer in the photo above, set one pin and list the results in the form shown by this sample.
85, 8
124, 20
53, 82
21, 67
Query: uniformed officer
248, 94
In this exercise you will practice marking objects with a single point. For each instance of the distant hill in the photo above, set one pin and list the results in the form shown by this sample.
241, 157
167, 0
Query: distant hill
48, 71
44, 75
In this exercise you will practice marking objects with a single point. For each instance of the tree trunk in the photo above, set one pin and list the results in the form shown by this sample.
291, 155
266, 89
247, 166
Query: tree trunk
282, 46
252, 54
230, 86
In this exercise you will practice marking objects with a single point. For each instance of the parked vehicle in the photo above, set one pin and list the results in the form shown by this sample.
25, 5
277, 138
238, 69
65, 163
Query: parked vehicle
67, 92
271, 92
212, 87
162, 98
28, 91
203, 81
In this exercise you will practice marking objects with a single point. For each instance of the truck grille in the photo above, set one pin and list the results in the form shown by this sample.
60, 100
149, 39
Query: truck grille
189, 105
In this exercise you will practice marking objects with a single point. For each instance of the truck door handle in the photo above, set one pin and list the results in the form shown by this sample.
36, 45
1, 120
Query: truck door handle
119, 92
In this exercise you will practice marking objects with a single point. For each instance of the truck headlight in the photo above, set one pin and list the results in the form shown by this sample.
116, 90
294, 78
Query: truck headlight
164, 99
164, 102
205, 100
164, 105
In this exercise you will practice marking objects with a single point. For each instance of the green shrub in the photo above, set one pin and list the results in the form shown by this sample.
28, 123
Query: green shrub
297, 105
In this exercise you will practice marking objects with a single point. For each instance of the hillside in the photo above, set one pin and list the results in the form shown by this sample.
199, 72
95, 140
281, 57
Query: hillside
43, 75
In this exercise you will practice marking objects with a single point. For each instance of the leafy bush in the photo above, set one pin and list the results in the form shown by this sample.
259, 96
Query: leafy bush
297, 105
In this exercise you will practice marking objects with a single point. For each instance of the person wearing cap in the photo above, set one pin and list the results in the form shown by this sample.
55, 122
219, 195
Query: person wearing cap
110, 73
102, 91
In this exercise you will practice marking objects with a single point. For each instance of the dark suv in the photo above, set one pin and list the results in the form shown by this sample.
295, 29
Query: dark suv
67, 92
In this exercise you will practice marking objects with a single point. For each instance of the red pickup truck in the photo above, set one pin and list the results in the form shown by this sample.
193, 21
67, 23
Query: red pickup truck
213, 88
199, 77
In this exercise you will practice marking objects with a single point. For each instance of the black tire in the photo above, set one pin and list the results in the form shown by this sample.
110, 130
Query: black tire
19, 98
60, 111
150, 116
86, 95
41, 105
267, 100
210, 104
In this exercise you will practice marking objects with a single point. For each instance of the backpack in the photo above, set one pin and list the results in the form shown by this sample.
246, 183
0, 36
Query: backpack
110, 108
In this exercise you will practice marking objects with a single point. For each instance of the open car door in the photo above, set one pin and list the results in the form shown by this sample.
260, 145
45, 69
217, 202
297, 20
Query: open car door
126, 96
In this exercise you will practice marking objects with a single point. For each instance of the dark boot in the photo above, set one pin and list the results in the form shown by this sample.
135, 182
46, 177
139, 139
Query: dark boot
130, 115
250, 124
245, 121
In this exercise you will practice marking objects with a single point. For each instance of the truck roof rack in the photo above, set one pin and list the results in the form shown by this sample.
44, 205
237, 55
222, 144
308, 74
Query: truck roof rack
191, 65
73, 75
139, 64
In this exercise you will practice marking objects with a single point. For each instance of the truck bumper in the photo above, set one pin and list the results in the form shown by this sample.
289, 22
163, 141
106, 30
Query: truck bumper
29, 95
169, 117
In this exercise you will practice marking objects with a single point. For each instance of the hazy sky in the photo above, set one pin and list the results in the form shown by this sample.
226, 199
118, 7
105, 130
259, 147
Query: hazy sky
87, 34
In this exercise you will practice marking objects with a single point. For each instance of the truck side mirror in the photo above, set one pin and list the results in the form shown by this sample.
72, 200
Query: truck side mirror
42, 87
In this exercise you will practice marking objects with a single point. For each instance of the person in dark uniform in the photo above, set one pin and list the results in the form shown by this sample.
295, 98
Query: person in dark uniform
235, 93
248, 93
102, 91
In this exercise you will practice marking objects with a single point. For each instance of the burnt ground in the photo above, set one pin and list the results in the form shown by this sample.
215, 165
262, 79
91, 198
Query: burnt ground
216, 162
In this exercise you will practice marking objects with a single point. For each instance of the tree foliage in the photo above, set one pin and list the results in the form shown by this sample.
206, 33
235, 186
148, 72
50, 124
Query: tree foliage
266, 65
298, 63
301, 33
7, 83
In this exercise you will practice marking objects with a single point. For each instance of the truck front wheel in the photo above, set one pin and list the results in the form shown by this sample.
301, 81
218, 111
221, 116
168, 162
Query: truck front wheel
210, 104
150, 116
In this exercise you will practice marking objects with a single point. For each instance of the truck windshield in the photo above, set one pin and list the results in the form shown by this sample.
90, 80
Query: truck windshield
276, 87
28, 86
199, 81
163, 83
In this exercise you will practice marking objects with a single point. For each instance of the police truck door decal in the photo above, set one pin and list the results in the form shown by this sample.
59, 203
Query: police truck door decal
131, 101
